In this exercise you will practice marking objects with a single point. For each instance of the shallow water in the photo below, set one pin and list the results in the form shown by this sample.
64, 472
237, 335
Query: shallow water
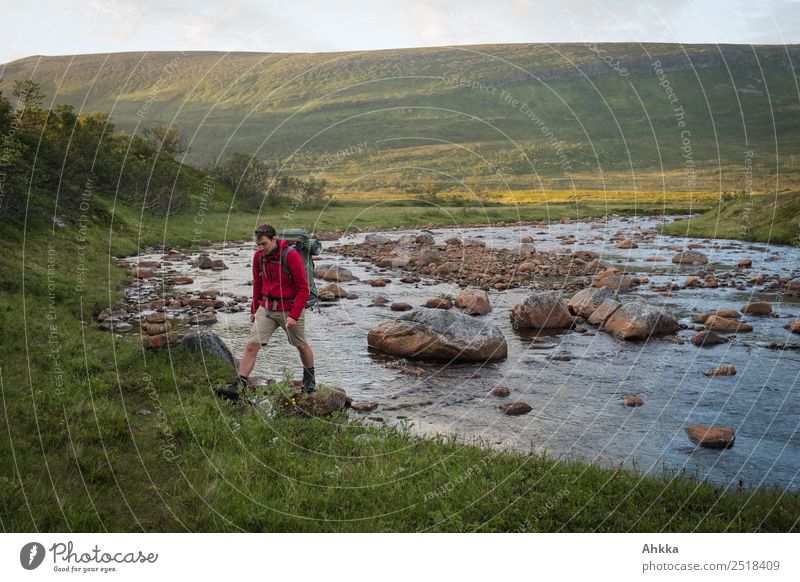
577, 411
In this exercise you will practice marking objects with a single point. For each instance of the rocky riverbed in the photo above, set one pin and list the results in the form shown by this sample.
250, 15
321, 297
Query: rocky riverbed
599, 339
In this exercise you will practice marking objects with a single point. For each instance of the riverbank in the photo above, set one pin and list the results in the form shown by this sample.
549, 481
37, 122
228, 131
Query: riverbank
102, 435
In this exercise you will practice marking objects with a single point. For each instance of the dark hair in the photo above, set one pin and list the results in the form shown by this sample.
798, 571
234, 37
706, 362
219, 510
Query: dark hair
266, 230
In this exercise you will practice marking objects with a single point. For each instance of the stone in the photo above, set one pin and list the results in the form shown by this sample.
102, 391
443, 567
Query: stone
364, 406
143, 273
707, 338
326, 236
793, 326
438, 303
182, 280
427, 256
543, 310
436, 334
207, 343
526, 239
745, 263
334, 273
585, 255
204, 262
474, 301
626, 244
454, 240
637, 320
500, 391
156, 328
757, 308
393, 263
690, 258
725, 325
401, 307
605, 310
712, 437
618, 282
723, 370
203, 319
323, 402
515, 408
376, 239
380, 282
632, 400
218, 265
424, 238
692, 281
334, 290
379, 300
586, 301
157, 317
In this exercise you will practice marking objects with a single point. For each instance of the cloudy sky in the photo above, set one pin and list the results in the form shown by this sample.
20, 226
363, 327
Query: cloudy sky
57, 27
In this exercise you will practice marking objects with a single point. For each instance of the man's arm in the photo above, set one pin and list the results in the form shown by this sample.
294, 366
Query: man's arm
298, 269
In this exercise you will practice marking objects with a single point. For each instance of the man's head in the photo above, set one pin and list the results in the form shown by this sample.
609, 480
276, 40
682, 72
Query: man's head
266, 238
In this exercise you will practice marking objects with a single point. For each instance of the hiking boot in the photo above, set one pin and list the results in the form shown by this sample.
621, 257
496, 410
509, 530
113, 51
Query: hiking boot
231, 391
309, 381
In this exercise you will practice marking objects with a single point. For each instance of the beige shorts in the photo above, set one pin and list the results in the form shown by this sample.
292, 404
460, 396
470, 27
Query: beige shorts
266, 323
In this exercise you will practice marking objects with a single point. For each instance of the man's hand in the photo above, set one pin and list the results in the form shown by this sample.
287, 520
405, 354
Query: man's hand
252, 317
290, 321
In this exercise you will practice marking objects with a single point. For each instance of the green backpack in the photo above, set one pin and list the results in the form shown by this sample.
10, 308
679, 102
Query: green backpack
300, 241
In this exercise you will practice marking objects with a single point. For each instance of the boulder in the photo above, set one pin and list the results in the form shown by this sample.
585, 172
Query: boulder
156, 328
632, 400
690, 258
379, 300
320, 403
543, 310
376, 239
203, 319
333, 290
474, 301
204, 262
585, 255
326, 236
586, 301
637, 320
182, 280
619, 282
725, 325
436, 334
626, 244
723, 370
605, 310
757, 308
500, 391
707, 338
793, 326
157, 317
515, 408
218, 265
143, 273
712, 437
207, 343
745, 263
401, 307
424, 238
364, 406
438, 303
427, 256
334, 273
393, 263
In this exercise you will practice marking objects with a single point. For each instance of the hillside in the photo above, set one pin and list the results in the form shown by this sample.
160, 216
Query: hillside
524, 116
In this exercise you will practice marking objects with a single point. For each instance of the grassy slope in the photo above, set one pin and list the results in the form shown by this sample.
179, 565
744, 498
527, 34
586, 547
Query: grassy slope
412, 120
774, 218
76, 456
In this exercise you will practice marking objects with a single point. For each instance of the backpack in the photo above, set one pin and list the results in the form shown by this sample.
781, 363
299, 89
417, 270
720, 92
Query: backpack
300, 241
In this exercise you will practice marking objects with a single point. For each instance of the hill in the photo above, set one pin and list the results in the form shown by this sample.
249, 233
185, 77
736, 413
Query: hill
524, 116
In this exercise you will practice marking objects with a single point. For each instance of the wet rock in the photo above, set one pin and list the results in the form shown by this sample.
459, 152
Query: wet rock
690, 258
525, 249
632, 400
438, 303
203, 319
333, 290
158, 317
500, 391
393, 263
605, 310
379, 300
729, 313
334, 273
320, 403
618, 282
637, 320
725, 325
515, 408
712, 437
326, 236
143, 273
380, 282
428, 256
424, 238
586, 301
585, 255
376, 239
209, 293
208, 344
115, 324
181, 280
757, 308
745, 263
160, 341
474, 301
364, 406
692, 281
454, 241
204, 262
156, 328
218, 265
794, 326
626, 244
543, 310
724, 370
401, 307
436, 334
707, 338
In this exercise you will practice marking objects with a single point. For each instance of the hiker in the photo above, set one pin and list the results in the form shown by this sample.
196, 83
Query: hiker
280, 292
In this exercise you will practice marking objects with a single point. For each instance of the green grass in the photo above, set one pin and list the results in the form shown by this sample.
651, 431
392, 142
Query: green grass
773, 219
76, 456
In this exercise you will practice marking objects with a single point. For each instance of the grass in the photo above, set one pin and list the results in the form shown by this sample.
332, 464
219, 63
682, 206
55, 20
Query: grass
80, 453
767, 218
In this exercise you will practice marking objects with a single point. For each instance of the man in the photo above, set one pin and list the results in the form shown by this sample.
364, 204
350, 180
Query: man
278, 301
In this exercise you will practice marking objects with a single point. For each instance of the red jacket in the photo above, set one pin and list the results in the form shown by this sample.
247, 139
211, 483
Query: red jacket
291, 293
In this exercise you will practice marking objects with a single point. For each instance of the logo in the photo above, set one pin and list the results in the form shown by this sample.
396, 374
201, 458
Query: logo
31, 555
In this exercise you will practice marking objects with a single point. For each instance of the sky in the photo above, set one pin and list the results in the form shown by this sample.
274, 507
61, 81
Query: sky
60, 27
